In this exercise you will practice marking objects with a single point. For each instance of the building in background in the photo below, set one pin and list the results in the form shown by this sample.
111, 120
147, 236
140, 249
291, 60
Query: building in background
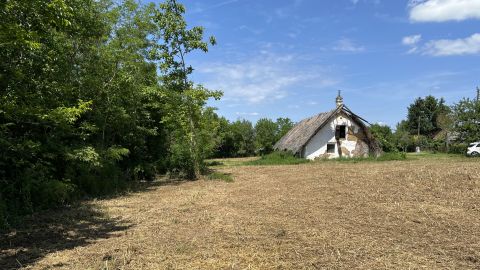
333, 134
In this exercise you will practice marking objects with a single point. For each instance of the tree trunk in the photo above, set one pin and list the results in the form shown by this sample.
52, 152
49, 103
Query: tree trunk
193, 151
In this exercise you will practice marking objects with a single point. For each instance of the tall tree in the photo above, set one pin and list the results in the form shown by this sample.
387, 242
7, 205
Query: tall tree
402, 137
467, 120
83, 109
244, 138
265, 135
423, 113
445, 122
174, 43
284, 126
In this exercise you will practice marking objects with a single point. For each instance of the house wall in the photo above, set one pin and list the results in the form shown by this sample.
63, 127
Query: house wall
354, 145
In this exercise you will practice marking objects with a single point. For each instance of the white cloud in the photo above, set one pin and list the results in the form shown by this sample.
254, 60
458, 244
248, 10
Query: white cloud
200, 9
448, 47
347, 45
261, 79
444, 47
411, 40
444, 10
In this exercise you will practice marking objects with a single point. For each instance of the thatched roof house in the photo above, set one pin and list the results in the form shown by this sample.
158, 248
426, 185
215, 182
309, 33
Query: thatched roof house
337, 133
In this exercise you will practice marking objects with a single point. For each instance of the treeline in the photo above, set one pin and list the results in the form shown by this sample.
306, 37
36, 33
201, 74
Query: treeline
95, 94
242, 139
432, 125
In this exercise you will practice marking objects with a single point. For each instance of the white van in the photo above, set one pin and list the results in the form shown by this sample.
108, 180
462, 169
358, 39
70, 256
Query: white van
473, 149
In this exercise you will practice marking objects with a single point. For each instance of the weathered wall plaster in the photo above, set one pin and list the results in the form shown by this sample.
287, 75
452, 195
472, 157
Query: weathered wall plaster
354, 145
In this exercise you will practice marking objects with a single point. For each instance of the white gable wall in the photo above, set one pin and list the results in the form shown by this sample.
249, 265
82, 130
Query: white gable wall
317, 146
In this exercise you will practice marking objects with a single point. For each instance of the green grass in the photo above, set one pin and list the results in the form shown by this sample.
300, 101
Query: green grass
212, 163
229, 162
385, 157
220, 176
277, 158
284, 158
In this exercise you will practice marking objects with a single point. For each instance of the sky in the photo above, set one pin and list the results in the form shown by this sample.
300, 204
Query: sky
288, 58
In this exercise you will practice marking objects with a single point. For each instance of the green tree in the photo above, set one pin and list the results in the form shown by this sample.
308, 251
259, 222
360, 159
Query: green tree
266, 133
284, 126
467, 120
423, 113
446, 123
403, 138
226, 146
95, 93
173, 43
243, 135
384, 136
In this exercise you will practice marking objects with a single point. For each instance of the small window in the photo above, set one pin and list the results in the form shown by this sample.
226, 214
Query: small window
341, 132
331, 148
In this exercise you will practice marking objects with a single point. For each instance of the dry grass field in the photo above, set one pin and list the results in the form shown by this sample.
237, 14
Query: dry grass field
416, 214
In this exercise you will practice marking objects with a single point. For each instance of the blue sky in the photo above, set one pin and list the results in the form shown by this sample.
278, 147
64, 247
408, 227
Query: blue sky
288, 58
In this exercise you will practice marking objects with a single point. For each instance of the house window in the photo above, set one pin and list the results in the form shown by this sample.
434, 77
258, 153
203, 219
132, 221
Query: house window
331, 148
341, 132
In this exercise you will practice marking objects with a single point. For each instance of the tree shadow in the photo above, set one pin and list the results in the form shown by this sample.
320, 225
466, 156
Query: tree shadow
55, 230
77, 225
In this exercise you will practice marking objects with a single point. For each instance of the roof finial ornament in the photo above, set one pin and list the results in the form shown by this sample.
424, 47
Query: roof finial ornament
339, 99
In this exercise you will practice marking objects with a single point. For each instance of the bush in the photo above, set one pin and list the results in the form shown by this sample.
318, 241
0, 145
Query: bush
458, 148
277, 158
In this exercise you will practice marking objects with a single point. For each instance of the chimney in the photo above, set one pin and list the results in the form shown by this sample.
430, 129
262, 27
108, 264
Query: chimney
339, 99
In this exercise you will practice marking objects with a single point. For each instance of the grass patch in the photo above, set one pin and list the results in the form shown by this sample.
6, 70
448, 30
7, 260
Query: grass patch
385, 157
212, 163
277, 158
220, 176
228, 162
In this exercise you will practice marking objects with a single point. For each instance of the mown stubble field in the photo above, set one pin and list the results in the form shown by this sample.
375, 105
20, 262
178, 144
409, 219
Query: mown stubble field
327, 215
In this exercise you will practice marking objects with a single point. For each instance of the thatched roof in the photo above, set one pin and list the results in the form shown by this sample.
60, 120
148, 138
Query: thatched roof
302, 132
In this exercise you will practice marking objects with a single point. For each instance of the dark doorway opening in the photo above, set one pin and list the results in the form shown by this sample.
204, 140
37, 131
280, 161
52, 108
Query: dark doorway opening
341, 132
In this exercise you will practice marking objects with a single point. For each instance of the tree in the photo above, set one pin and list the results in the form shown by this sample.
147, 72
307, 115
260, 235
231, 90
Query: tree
403, 138
174, 42
383, 134
284, 126
243, 135
423, 113
266, 133
445, 122
467, 120
95, 93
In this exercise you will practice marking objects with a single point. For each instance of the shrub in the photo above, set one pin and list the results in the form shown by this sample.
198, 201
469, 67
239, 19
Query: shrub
458, 148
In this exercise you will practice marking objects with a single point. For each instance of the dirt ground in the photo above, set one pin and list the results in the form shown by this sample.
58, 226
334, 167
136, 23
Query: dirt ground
327, 215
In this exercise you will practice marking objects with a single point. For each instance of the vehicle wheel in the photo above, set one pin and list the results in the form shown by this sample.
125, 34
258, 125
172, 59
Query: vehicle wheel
475, 154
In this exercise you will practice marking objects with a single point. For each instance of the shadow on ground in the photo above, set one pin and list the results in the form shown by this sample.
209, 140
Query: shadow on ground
50, 231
